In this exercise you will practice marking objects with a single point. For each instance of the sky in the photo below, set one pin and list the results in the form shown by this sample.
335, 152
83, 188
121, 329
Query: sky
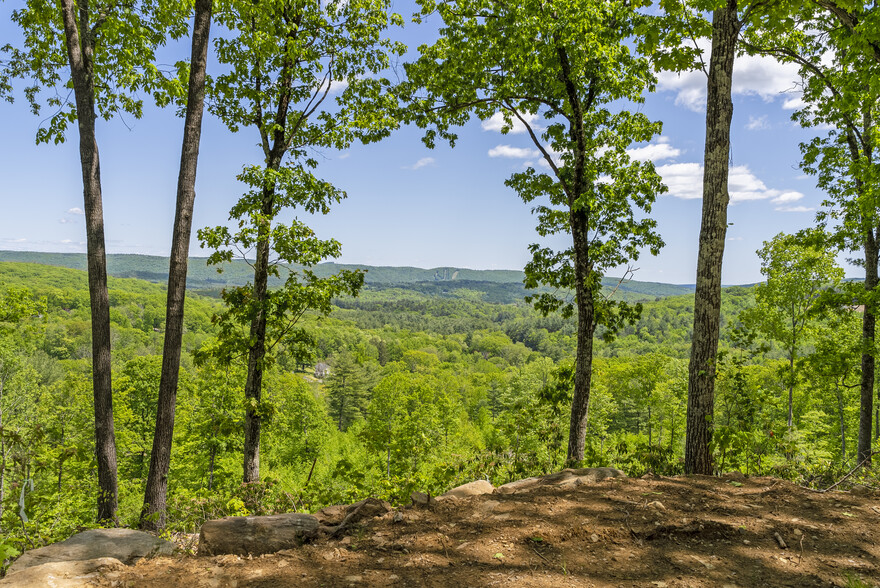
411, 206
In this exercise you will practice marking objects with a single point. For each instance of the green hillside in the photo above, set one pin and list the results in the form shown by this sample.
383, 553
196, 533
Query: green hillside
496, 285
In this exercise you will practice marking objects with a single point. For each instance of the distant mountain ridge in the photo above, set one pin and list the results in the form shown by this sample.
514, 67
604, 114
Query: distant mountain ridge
202, 277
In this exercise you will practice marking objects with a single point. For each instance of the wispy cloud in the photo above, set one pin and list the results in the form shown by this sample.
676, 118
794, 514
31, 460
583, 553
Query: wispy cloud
752, 76
513, 152
496, 123
794, 209
657, 151
757, 123
423, 162
685, 180
75, 210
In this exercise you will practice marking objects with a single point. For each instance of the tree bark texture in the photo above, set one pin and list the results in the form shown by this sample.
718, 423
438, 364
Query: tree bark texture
254, 384
153, 511
80, 53
580, 402
713, 230
869, 321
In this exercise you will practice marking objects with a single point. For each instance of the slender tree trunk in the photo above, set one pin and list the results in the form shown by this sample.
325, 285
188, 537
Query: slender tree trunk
254, 384
713, 230
842, 423
153, 511
869, 320
80, 52
580, 402
211, 467
791, 392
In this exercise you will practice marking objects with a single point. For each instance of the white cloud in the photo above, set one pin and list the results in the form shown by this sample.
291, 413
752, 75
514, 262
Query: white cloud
64, 221
423, 162
794, 209
685, 180
336, 86
513, 152
734, 238
496, 123
655, 151
790, 196
758, 123
75, 210
752, 76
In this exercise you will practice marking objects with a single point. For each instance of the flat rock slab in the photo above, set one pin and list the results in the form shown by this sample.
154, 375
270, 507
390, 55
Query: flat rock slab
567, 478
475, 488
256, 535
62, 574
125, 545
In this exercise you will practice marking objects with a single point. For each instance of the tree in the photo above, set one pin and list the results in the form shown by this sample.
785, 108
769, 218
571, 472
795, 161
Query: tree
109, 50
570, 64
796, 275
346, 390
840, 93
153, 511
729, 18
283, 59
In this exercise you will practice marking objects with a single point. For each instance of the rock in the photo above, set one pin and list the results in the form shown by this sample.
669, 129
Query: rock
567, 478
357, 512
332, 515
422, 499
519, 485
475, 488
125, 545
656, 505
256, 535
734, 475
62, 574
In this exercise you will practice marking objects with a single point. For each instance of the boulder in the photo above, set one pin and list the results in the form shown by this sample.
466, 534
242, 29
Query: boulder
475, 488
256, 535
357, 512
125, 545
332, 515
422, 499
567, 478
62, 574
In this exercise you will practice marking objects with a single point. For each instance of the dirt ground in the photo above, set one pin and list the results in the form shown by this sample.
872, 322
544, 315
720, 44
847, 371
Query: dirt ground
656, 532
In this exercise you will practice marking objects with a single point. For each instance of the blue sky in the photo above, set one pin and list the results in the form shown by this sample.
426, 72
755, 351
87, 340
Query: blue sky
408, 205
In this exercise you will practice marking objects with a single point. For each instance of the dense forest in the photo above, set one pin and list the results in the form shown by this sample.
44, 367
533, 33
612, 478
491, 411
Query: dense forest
287, 382
425, 390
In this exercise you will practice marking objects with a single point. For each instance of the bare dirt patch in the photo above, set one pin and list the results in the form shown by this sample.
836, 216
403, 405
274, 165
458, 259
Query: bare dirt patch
658, 532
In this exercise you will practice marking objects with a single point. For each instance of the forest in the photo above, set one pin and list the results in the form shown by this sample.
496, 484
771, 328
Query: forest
276, 380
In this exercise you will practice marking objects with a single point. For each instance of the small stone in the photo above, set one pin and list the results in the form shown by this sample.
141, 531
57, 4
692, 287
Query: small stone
345, 541
594, 538
397, 518
421, 499
656, 505
354, 579
797, 532
746, 542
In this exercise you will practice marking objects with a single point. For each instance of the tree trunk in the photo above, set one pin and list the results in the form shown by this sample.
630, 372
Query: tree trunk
80, 55
153, 511
580, 402
842, 423
869, 319
254, 384
791, 392
713, 230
